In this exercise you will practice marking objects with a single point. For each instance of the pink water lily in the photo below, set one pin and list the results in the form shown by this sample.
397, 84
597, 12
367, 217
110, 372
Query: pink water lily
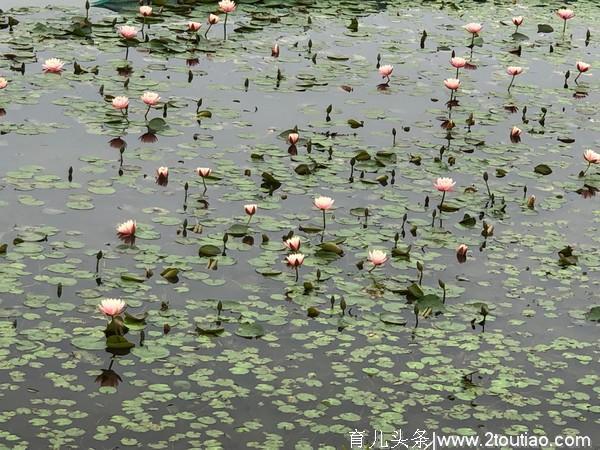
250, 210
128, 32
324, 203
203, 171
150, 98
162, 176
386, 71
213, 19
3, 83
377, 258
293, 138
444, 184
461, 253
275, 50
126, 231
295, 260
513, 71
227, 6
194, 26
112, 306
458, 62
565, 14
515, 134
146, 11
517, 21
127, 228
293, 243
581, 68
473, 27
53, 65
452, 83
120, 102
592, 158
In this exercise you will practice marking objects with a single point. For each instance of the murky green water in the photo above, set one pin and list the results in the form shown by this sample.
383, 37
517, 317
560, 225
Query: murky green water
506, 342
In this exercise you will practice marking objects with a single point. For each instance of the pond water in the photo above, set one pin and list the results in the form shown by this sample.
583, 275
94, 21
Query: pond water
223, 348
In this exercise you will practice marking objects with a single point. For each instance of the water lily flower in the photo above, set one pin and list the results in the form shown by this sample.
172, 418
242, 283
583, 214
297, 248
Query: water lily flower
452, 83
515, 134
531, 201
53, 65
128, 32
120, 102
513, 71
3, 83
275, 50
203, 172
295, 260
386, 71
162, 176
293, 138
444, 185
126, 230
227, 6
377, 258
194, 26
461, 253
565, 14
151, 99
213, 19
112, 306
250, 211
517, 21
145, 11
473, 27
293, 243
458, 62
324, 203
582, 68
591, 157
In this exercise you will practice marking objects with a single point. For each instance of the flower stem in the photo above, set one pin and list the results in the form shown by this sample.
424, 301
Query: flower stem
225, 26
323, 220
207, 30
296, 269
511, 83
147, 111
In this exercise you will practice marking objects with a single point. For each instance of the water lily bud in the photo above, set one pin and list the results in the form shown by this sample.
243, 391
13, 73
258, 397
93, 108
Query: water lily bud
99, 255
442, 284
220, 306
461, 253
318, 274
531, 202
419, 266
343, 304
485, 176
